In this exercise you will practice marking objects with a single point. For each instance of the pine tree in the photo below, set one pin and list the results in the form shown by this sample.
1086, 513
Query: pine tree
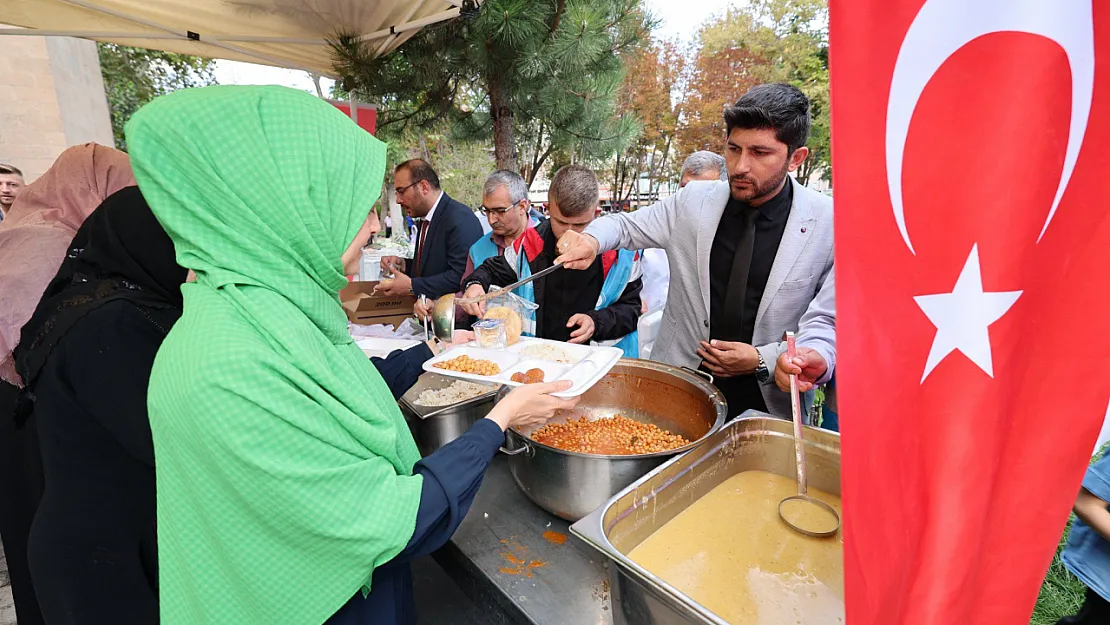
537, 76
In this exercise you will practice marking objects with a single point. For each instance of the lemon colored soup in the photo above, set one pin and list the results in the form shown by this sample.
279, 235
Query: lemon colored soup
730, 552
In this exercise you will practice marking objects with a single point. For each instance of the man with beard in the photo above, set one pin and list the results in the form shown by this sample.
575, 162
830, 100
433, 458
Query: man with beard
446, 229
750, 258
11, 183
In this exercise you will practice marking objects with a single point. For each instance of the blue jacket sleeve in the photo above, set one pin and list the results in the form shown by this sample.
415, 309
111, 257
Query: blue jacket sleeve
452, 475
1097, 480
462, 234
402, 368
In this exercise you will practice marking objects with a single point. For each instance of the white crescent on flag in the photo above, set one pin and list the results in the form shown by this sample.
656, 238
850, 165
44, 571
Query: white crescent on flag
944, 26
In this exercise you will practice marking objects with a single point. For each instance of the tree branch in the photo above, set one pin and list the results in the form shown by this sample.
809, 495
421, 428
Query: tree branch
539, 163
558, 17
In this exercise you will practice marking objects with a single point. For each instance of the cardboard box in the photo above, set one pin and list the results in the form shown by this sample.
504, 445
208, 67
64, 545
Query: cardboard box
365, 308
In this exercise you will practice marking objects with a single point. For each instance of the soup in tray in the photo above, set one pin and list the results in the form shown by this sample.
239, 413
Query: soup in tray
730, 552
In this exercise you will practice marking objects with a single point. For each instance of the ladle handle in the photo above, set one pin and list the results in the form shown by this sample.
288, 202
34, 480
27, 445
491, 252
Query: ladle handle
486, 296
796, 413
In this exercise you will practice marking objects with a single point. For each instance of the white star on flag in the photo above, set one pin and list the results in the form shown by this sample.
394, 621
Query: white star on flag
963, 316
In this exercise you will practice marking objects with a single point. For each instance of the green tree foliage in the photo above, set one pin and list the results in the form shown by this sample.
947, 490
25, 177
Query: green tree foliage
462, 167
536, 76
773, 41
655, 90
135, 76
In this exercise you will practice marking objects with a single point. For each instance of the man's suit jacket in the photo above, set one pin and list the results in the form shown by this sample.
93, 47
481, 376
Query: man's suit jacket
443, 257
800, 293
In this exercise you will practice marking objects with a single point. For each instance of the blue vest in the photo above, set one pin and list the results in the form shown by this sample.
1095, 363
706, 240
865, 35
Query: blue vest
616, 281
620, 274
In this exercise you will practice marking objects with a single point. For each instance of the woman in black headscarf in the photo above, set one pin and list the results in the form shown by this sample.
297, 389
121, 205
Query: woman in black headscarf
85, 358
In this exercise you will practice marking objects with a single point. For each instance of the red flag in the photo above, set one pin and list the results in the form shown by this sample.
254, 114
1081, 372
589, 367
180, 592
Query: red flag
973, 241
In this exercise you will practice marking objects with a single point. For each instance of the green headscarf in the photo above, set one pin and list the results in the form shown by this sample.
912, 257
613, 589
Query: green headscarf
284, 467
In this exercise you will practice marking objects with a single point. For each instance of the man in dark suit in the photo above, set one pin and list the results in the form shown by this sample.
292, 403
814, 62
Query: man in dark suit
445, 231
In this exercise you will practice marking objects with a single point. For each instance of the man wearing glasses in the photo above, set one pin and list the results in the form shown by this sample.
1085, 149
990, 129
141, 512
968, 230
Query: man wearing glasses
505, 204
600, 305
445, 230
508, 211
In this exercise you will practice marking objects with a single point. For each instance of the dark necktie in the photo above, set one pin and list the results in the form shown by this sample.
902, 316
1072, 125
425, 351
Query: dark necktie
737, 292
419, 247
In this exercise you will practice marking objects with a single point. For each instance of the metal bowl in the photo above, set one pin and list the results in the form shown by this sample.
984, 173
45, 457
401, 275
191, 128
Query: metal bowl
435, 426
570, 485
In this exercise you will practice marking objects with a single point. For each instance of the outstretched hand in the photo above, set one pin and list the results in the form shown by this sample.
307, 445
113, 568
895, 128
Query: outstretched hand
576, 250
531, 404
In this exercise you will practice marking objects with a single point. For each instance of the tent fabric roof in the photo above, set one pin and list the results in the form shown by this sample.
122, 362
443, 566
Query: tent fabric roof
284, 33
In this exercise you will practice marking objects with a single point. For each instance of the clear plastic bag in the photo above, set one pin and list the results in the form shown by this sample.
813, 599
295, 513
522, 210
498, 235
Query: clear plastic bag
524, 309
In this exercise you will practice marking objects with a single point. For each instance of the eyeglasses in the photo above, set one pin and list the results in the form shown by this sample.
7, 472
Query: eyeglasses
498, 211
400, 190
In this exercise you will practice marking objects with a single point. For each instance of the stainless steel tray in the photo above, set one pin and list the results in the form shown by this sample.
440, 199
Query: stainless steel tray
754, 441
435, 426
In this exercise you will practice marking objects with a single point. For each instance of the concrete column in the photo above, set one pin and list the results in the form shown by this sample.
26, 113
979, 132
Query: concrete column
51, 97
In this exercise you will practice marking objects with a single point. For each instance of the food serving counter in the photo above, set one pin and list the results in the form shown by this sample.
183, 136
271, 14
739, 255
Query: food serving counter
519, 563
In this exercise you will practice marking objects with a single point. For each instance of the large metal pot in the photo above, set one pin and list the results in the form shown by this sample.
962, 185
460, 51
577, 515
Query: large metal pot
435, 426
571, 485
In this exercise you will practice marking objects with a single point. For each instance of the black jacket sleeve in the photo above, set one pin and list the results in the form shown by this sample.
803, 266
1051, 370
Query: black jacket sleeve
495, 270
462, 233
402, 368
619, 319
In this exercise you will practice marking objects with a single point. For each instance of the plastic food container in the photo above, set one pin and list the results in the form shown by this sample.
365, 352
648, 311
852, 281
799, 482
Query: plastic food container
583, 365
490, 334
370, 267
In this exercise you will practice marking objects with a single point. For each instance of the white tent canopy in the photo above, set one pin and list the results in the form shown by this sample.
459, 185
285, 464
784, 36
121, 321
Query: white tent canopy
284, 33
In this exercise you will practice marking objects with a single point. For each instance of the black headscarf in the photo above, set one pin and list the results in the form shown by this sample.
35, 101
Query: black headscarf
120, 253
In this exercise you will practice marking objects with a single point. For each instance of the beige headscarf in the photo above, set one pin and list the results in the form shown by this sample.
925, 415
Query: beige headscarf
40, 226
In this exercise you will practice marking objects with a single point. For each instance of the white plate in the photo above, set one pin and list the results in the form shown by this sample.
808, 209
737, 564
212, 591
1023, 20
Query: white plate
593, 363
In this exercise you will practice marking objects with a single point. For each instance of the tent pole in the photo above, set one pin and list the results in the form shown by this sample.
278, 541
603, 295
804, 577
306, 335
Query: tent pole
354, 106
389, 40
414, 25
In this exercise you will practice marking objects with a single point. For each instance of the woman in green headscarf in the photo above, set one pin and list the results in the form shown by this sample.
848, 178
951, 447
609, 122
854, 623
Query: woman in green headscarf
289, 487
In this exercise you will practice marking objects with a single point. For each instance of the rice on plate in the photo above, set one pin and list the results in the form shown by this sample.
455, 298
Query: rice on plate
549, 353
458, 392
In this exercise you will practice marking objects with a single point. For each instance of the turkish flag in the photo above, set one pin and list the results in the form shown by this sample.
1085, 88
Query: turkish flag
972, 247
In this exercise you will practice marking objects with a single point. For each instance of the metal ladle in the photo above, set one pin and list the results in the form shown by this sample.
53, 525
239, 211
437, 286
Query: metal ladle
443, 318
802, 502
443, 311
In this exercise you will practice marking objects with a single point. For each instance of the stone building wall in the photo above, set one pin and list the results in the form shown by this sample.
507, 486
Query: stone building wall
51, 97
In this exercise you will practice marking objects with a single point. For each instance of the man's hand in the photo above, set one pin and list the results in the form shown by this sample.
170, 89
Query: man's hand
422, 308
808, 365
398, 286
461, 337
576, 251
585, 329
478, 309
727, 359
391, 264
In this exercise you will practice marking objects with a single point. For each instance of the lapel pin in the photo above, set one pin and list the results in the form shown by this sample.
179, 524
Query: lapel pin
803, 230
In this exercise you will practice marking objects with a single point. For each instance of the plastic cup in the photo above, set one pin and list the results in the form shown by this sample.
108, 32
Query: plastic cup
490, 334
